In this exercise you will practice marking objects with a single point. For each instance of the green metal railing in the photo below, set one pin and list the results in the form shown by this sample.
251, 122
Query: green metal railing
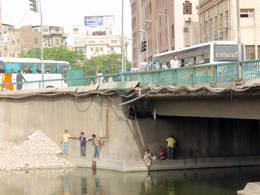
200, 74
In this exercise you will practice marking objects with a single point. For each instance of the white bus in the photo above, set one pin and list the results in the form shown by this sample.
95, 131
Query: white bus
205, 53
31, 69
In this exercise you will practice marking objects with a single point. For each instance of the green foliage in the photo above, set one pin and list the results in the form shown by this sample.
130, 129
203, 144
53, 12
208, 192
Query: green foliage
75, 58
107, 64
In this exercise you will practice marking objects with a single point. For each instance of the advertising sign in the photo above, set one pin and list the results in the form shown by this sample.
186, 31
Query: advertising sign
94, 21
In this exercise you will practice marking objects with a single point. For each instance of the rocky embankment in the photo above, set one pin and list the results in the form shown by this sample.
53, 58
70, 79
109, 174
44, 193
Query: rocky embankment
38, 151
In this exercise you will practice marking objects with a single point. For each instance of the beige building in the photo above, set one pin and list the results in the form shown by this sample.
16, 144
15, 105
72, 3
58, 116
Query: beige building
164, 24
14, 41
218, 21
97, 42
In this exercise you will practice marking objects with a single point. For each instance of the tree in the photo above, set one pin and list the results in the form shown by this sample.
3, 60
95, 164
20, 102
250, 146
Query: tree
75, 58
107, 64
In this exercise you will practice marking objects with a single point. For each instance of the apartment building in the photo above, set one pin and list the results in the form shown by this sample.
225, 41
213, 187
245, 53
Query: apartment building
218, 21
96, 43
164, 24
14, 41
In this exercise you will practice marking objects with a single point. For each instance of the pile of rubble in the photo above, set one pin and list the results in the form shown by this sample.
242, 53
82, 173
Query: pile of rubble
38, 151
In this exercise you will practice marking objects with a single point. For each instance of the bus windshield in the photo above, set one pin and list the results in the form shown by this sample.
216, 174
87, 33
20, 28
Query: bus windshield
224, 53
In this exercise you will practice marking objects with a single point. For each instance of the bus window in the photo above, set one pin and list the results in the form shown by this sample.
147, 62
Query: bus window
58, 69
8, 68
16, 67
34, 70
224, 53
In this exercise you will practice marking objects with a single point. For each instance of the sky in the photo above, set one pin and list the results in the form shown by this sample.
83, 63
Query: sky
65, 13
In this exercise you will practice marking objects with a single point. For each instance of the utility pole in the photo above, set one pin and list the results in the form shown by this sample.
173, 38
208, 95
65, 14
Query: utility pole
40, 4
123, 43
36, 6
239, 42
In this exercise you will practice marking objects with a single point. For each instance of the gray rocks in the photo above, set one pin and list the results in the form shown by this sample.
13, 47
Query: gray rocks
37, 152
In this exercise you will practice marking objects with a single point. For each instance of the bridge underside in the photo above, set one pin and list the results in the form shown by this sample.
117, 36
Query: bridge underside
237, 108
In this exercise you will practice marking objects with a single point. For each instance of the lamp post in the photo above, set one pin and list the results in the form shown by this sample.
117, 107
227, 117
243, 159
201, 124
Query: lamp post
40, 5
123, 43
239, 42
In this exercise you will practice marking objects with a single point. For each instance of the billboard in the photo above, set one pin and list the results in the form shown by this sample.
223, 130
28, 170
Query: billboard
99, 22
94, 21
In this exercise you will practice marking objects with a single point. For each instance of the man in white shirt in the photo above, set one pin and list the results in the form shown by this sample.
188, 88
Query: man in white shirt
174, 63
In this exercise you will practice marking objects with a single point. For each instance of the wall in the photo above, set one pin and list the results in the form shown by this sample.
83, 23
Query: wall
126, 139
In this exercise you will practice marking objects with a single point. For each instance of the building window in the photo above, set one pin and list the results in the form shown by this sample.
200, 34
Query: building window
187, 8
114, 41
246, 13
112, 49
250, 52
172, 31
57, 41
101, 49
75, 30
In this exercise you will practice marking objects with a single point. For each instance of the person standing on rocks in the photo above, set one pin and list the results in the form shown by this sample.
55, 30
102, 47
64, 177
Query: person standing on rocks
170, 146
65, 141
96, 142
83, 141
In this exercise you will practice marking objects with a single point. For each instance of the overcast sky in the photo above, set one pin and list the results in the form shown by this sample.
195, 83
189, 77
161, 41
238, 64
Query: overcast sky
65, 12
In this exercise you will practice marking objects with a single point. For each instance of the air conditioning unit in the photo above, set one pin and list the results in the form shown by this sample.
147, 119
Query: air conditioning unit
225, 24
187, 18
220, 34
215, 36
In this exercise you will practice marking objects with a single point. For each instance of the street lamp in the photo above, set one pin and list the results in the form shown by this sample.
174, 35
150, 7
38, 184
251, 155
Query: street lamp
157, 33
239, 42
147, 37
123, 43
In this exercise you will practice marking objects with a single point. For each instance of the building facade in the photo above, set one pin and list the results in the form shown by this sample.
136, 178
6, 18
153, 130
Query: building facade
218, 21
164, 24
96, 43
14, 41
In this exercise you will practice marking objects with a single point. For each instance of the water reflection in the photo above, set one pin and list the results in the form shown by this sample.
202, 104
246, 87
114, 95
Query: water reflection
85, 181
84, 190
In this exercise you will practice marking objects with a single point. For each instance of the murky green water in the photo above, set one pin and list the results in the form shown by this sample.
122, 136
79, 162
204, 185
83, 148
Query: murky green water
85, 181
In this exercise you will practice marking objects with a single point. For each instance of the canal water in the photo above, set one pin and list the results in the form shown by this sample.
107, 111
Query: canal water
225, 181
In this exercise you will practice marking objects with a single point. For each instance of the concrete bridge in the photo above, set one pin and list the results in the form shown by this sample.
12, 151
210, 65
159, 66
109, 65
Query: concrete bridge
215, 126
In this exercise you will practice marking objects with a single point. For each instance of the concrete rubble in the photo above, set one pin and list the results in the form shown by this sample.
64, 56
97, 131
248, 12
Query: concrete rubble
38, 151
251, 188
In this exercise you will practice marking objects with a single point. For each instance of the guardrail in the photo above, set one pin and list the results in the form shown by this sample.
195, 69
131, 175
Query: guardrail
200, 74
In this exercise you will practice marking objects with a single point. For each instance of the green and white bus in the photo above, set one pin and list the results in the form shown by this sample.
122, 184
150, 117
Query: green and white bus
31, 69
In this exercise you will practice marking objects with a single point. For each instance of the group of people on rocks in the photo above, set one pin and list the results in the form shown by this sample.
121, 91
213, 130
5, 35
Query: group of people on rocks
163, 154
83, 143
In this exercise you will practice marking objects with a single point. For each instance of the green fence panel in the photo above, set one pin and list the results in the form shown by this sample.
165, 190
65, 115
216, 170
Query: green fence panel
251, 70
166, 77
75, 78
184, 76
227, 73
204, 75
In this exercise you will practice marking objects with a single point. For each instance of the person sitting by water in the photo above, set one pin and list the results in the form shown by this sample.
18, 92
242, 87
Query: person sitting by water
132, 112
162, 155
147, 158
